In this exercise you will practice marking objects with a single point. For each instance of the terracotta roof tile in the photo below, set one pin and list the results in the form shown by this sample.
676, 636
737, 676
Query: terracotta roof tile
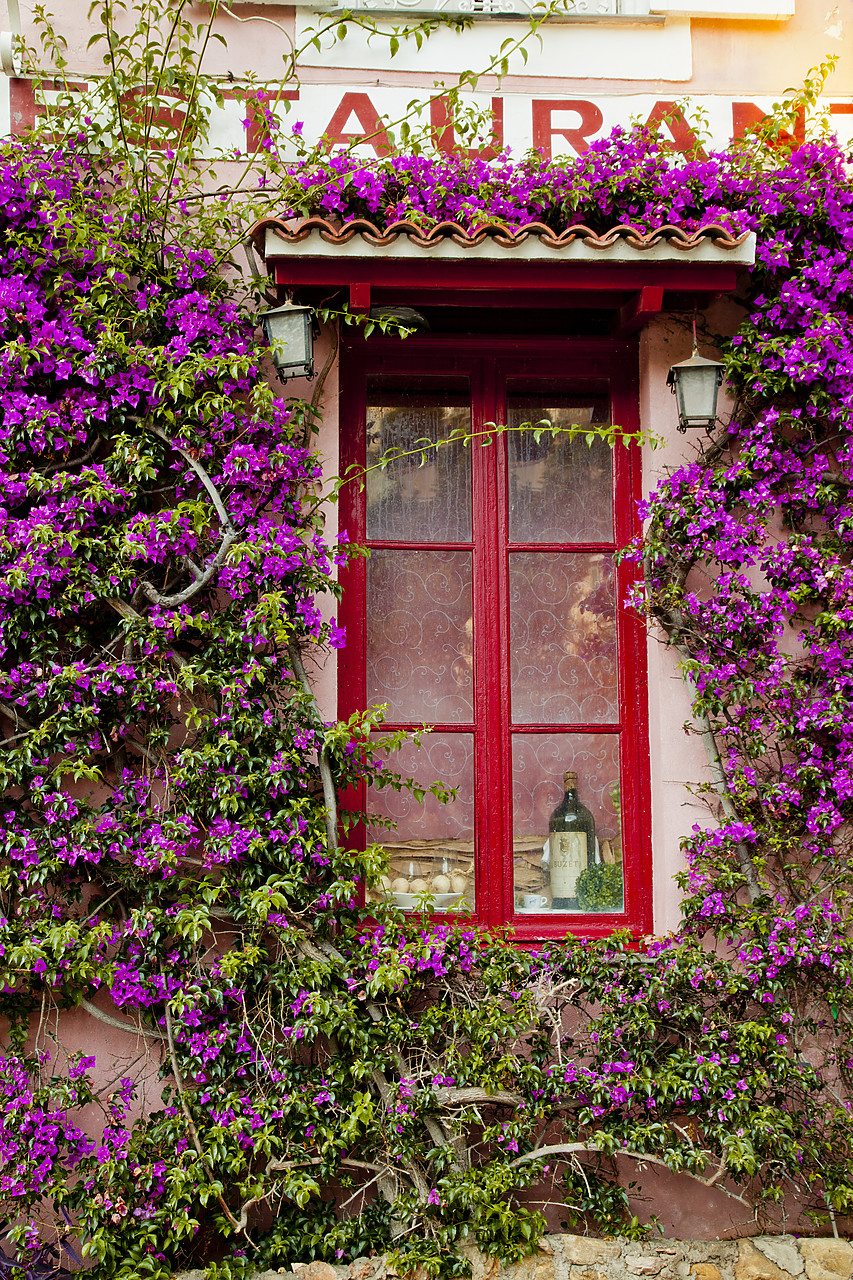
337, 233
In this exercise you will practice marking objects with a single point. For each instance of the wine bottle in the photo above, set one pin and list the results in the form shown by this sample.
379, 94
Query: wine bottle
571, 839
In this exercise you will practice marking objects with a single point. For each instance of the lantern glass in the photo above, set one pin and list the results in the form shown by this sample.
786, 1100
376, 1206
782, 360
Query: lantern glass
696, 382
288, 331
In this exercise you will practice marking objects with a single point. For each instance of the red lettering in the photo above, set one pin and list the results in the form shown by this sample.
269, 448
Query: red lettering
577, 137
746, 115
25, 109
373, 132
444, 135
684, 139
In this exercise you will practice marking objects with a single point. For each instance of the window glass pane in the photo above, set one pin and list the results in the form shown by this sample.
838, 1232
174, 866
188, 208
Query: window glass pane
560, 490
419, 633
562, 637
422, 497
431, 847
561, 864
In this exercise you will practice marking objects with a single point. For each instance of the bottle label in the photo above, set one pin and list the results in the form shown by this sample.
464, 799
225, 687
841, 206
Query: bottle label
568, 860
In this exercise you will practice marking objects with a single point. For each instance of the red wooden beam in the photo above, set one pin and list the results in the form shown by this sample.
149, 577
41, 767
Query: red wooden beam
485, 277
647, 302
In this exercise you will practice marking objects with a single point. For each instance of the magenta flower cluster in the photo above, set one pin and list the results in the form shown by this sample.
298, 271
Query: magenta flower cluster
625, 177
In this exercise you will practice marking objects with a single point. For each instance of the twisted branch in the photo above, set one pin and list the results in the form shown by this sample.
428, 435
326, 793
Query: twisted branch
448, 1097
181, 597
586, 1148
199, 470
132, 1028
229, 533
834, 477
14, 714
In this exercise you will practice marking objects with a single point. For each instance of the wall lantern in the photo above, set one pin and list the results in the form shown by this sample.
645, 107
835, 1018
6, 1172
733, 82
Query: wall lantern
288, 330
695, 383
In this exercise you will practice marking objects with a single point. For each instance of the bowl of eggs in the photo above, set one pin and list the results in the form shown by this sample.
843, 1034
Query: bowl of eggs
446, 890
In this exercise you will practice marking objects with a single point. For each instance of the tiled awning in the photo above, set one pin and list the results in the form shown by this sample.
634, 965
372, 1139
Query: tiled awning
359, 238
624, 268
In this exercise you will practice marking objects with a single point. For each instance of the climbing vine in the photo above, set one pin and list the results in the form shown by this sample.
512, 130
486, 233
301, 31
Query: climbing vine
289, 1076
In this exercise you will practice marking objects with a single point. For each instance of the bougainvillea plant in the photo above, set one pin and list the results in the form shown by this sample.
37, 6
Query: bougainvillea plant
291, 1079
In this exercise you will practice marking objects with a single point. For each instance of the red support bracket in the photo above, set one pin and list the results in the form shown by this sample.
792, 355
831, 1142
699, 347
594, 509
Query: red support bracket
647, 302
359, 298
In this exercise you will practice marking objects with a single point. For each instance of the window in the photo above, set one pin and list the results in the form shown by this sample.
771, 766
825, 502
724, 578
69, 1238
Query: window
491, 608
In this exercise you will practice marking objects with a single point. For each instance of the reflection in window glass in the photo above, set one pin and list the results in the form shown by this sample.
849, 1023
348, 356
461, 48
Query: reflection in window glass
419, 497
560, 489
562, 637
430, 846
559, 864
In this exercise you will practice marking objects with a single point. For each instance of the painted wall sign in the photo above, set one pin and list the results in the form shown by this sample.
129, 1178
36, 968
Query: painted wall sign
554, 125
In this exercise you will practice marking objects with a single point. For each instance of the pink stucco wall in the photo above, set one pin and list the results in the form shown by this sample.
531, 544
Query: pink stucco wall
721, 61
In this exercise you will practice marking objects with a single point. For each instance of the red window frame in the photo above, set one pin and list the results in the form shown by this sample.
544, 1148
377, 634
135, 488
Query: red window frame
489, 362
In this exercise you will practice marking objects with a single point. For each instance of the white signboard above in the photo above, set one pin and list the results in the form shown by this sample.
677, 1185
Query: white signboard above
571, 10
583, 10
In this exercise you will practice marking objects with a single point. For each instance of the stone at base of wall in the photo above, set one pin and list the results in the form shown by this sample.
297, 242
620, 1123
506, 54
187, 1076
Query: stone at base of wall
564, 1257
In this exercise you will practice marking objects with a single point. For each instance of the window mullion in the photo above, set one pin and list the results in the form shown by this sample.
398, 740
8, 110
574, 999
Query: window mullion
492, 666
